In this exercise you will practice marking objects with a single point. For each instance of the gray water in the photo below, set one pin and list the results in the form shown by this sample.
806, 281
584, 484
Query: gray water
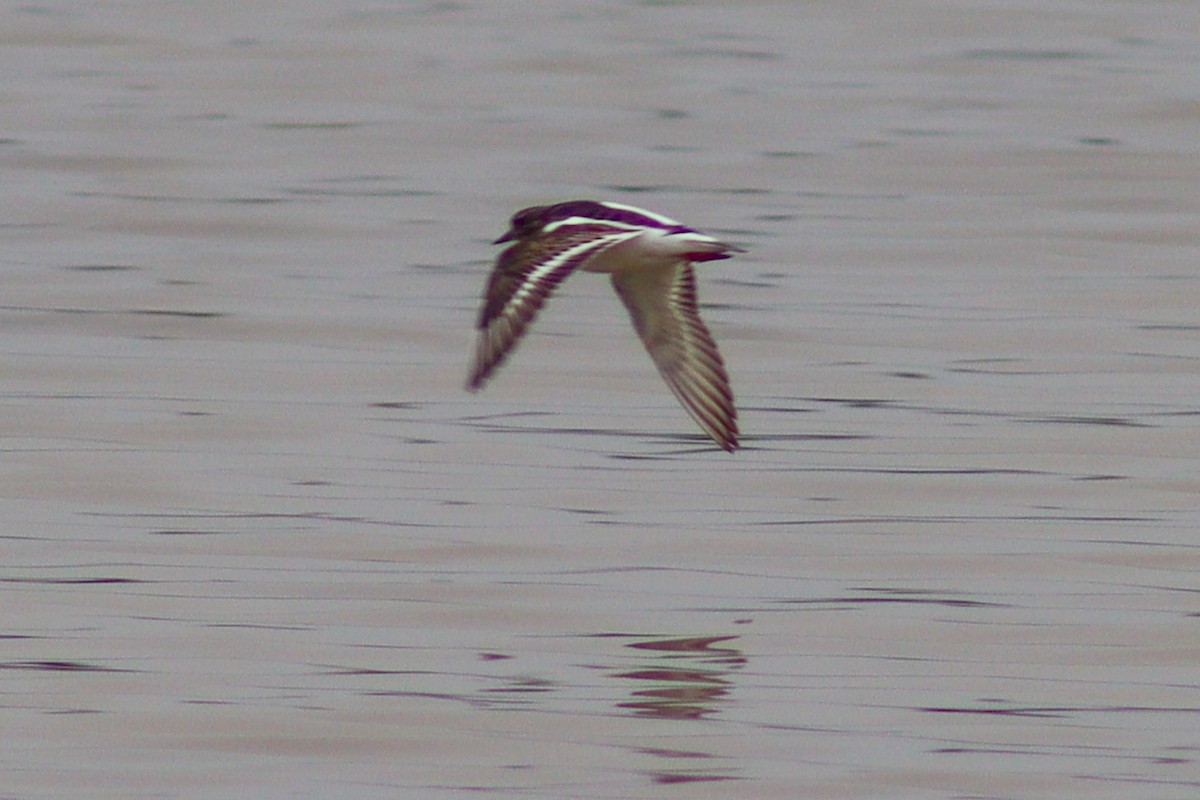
258, 542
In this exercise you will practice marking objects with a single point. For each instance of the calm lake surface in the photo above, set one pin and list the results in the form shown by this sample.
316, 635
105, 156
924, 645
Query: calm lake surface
258, 542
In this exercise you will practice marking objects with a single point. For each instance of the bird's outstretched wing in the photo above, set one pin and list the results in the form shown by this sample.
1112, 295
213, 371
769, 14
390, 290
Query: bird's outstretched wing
524, 276
662, 302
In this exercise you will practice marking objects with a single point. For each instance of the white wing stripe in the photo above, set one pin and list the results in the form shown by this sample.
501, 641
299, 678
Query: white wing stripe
547, 267
608, 223
666, 221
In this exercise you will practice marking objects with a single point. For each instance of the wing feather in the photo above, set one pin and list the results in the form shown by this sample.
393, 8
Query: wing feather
663, 304
525, 276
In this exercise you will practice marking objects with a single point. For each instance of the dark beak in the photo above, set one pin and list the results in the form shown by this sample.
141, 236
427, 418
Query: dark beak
507, 237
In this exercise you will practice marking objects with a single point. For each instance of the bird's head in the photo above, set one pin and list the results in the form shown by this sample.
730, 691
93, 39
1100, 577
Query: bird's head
525, 223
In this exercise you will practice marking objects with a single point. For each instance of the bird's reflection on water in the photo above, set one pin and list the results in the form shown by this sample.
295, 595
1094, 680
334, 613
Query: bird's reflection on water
682, 679
686, 680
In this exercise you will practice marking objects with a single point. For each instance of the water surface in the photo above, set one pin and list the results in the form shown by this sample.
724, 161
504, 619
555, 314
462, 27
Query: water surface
259, 542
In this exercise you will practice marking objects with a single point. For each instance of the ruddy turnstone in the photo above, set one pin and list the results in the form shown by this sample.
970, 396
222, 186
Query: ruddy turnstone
650, 260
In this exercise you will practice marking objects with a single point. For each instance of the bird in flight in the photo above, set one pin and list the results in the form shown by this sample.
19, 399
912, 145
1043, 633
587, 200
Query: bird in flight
649, 258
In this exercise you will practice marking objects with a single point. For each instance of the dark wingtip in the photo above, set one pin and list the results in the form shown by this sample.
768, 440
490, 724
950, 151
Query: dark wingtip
480, 372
